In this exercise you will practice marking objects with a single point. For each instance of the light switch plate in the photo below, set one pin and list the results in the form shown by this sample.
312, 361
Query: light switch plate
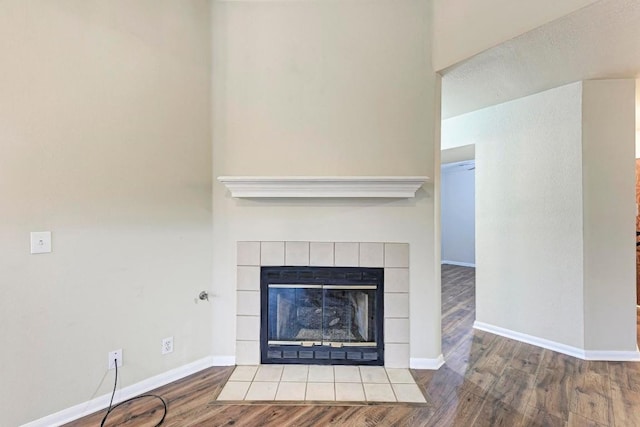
40, 242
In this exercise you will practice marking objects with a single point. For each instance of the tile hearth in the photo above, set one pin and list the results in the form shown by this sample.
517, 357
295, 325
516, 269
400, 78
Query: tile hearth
321, 383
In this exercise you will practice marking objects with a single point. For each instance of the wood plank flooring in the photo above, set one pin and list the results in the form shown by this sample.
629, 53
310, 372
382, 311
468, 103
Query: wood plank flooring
487, 381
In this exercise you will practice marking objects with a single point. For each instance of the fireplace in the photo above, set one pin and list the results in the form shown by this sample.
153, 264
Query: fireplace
305, 258
322, 315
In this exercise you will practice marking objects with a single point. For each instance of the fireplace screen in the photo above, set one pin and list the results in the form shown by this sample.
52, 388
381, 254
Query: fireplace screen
333, 314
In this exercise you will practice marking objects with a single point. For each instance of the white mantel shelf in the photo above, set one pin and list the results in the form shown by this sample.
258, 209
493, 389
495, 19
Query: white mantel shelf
403, 187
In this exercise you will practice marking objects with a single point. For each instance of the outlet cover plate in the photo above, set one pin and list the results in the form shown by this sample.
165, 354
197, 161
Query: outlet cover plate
115, 355
167, 345
40, 242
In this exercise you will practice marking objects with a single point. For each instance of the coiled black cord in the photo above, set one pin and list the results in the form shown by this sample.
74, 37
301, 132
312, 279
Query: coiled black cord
111, 408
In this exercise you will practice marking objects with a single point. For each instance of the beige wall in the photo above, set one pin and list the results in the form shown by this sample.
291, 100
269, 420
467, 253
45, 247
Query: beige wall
529, 215
105, 141
315, 88
463, 28
554, 215
608, 177
325, 88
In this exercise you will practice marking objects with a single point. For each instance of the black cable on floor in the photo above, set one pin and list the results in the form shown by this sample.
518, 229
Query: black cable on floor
111, 408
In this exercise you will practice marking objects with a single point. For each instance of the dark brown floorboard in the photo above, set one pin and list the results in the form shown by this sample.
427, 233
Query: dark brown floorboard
487, 381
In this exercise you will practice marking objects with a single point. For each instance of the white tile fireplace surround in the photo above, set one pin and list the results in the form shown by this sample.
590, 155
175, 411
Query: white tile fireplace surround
393, 257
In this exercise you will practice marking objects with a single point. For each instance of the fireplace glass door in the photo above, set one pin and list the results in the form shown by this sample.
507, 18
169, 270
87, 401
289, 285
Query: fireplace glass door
322, 315
330, 315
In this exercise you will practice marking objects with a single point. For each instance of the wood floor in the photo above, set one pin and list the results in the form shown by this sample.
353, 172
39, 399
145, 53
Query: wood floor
487, 381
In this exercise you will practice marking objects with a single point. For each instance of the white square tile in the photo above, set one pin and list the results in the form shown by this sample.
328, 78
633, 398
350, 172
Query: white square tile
400, 376
320, 374
295, 373
373, 374
396, 305
396, 331
396, 355
243, 373
396, 280
248, 328
321, 254
272, 253
371, 255
408, 393
320, 391
296, 253
396, 255
234, 391
347, 374
248, 253
349, 392
247, 352
248, 278
262, 391
346, 254
379, 393
269, 373
291, 391
248, 303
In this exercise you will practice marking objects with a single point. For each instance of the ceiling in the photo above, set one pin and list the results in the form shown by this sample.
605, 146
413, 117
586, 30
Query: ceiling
599, 41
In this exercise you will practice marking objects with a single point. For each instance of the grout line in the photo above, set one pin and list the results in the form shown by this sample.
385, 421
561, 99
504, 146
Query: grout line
387, 375
333, 254
394, 392
244, 395
391, 384
277, 389
384, 254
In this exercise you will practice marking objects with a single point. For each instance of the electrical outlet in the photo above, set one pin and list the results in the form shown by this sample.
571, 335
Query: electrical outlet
115, 355
167, 345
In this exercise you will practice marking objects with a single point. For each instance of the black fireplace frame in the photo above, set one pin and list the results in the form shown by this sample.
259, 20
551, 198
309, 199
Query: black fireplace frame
322, 354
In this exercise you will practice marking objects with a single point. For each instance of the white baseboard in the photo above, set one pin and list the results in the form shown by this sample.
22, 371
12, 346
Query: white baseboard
102, 402
613, 356
530, 339
432, 364
461, 264
223, 361
617, 356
